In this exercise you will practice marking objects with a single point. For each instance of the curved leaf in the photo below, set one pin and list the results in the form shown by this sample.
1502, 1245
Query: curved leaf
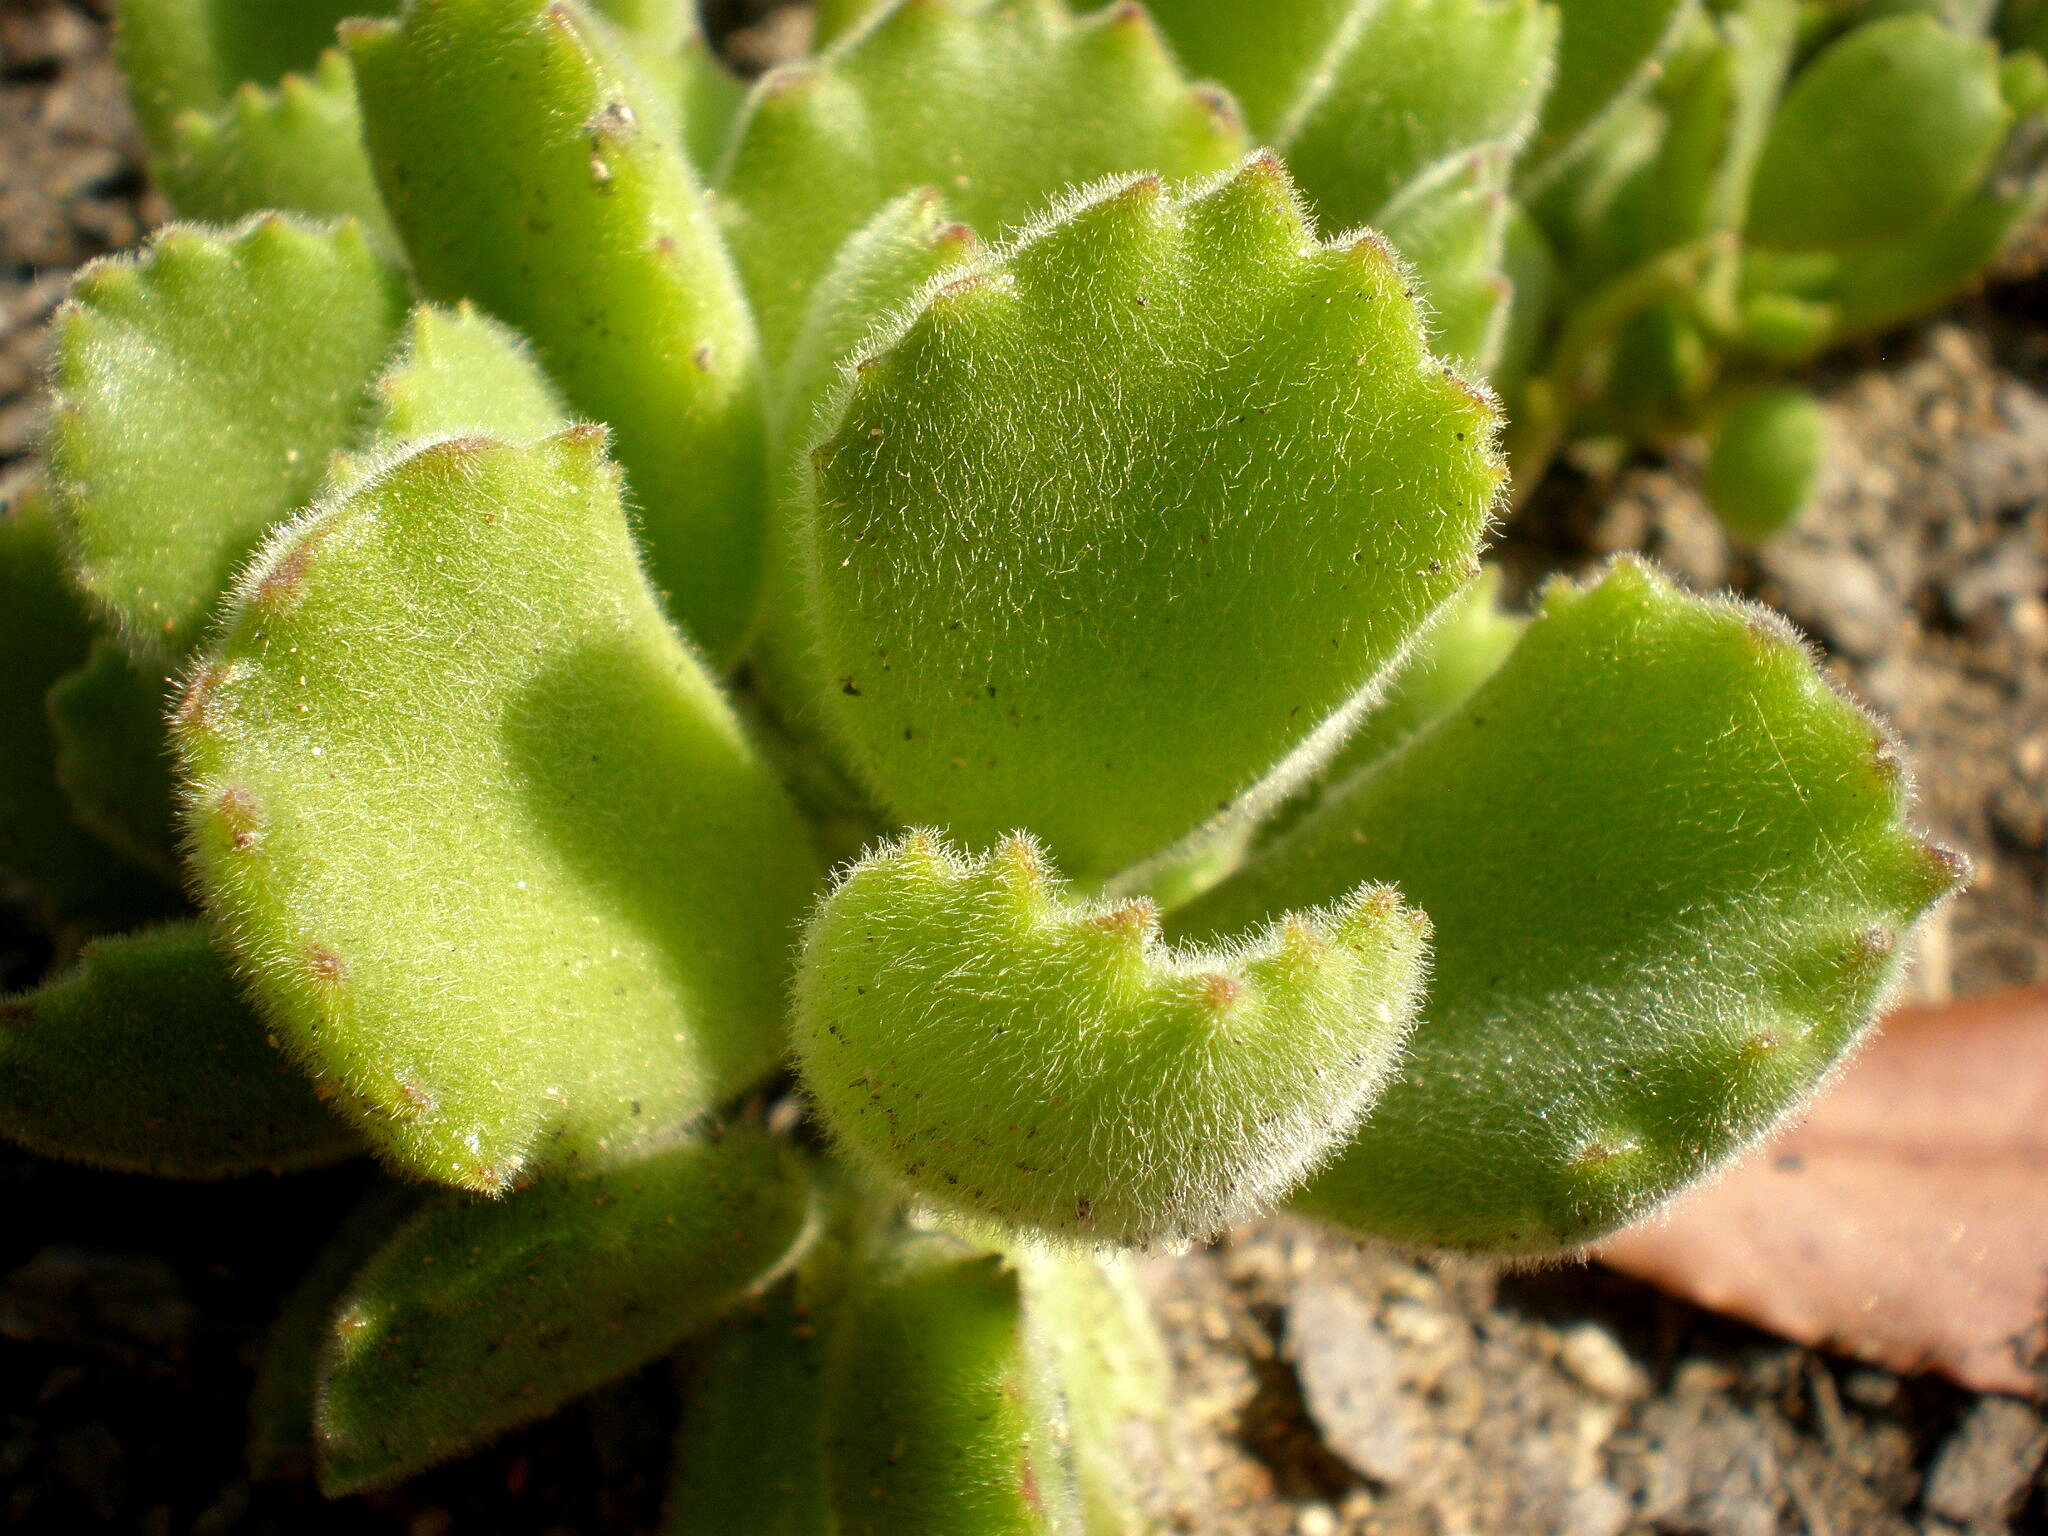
968, 1034
46, 634
1669, 877
510, 934
998, 104
1165, 475
1416, 81
1884, 133
296, 146
113, 755
144, 1058
201, 388
527, 171
481, 1316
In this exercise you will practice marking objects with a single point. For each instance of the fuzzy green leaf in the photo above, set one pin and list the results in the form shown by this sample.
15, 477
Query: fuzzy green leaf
1159, 440
1669, 875
543, 940
1765, 466
882, 266
1416, 81
1451, 224
481, 1316
1088, 1323
664, 40
1884, 133
930, 1405
998, 104
750, 1452
296, 146
286, 1396
1607, 54
968, 1034
144, 1058
459, 371
1462, 650
113, 756
522, 163
201, 388
184, 55
1270, 53
45, 634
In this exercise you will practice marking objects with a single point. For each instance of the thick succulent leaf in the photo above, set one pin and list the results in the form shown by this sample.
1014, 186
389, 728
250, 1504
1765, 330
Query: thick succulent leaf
45, 634
969, 1034
1271, 53
546, 940
1531, 268
997, 103
1766, 462
881, 266
144, 1058
481, 1316
286, 1396
460, 371
520, 160
930, 1422
1419, 80
181, 55
1101, 1353
1607, 54
1890, 128
1462, 650
750, 1451
295, 146
1451, 224
201, 388
1160, 438
1669, 875
113, 756
1875, 289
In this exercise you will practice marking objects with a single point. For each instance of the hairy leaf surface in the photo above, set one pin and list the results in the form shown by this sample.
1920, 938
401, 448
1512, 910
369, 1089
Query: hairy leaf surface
998, 104
1127, 511
513, 933
481, 1316
1416, 81
143, 1058
201, 388
297, 146
1669, 876
527, 171
969, 1035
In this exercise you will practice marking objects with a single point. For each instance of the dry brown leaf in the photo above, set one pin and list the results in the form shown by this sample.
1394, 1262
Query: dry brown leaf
1905, 1220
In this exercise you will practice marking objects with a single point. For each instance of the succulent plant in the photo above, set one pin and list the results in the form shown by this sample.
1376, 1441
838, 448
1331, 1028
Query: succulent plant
947, 579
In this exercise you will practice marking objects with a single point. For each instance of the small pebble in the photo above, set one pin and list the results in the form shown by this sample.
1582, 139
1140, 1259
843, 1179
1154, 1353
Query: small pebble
1593, 1356
1315, 1520
1984, 1467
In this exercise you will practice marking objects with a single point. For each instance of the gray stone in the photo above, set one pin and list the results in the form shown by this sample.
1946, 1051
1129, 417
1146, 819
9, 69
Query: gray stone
1984, 1467
1350, 1381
